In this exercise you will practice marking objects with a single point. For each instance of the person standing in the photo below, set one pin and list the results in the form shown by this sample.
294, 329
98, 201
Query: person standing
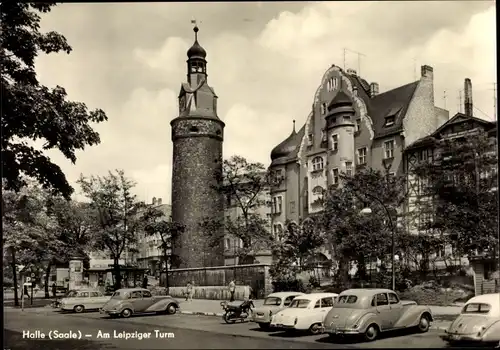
232, 289
54, 289
189, 292
26, 291
145, 282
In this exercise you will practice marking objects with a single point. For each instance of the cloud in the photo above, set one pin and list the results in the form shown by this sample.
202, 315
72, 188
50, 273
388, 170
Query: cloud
265, 62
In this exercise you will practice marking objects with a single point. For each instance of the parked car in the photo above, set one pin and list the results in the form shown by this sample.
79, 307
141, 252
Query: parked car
479, 322
305, 313
272, 304
81, 300
129, 301
368, 312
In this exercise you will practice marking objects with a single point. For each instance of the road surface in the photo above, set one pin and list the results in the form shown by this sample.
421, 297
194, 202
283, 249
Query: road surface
179, 331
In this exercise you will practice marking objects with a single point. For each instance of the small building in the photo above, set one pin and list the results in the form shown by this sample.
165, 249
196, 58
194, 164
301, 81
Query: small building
486, 274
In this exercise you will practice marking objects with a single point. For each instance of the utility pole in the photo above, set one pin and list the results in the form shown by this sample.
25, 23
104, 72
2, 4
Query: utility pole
459, 101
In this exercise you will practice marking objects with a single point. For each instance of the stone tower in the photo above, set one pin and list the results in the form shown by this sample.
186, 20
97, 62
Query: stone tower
197, 136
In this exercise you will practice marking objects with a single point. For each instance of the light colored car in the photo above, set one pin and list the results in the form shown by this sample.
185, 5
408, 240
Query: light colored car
479, 322
129, 301
272, 304
82, 299
368, 312
305, 313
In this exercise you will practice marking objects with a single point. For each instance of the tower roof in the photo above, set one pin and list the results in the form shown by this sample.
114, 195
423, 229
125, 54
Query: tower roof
285, 147
196, 51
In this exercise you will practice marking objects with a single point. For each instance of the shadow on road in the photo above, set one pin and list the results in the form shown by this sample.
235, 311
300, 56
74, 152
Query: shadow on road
14, 341
359, 339
290, 334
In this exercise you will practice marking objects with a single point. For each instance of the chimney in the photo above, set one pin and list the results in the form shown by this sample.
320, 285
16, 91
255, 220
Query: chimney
158, 201
373, 89
427, 72
468, 97
154, 201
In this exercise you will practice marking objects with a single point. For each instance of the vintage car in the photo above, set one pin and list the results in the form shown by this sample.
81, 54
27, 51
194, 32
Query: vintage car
129, 301
272, 304
305, 313
81, 300
368, 312
479, 322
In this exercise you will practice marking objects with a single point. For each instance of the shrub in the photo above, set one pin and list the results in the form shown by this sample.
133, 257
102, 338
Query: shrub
289, 285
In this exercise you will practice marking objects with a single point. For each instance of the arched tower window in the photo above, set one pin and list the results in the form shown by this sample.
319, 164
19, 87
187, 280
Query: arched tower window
318, 191
317, 163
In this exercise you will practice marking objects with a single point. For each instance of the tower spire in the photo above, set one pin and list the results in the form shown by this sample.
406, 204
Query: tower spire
294, 125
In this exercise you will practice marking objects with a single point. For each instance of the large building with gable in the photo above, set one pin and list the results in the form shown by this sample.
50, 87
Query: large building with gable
351, 126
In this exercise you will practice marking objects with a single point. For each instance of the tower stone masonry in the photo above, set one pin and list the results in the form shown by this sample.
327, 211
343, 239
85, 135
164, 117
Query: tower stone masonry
197, 136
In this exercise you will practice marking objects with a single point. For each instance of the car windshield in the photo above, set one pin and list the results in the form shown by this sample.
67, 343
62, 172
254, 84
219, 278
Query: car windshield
117, 295
300, 303
476, 308
71, 294
272, 301
348, 302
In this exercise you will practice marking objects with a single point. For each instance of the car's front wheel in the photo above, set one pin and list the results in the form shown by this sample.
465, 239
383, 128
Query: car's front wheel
315, 328
79, 309
171, 309
126, 313
424, 324
371, 332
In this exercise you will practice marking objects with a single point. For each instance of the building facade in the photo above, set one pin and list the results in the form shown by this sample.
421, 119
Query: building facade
197, 136
351, 126
149, 255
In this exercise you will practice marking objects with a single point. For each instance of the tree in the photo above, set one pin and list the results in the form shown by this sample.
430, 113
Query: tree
460, 185
292, 250
28, 232
156, 225
354, 235
73, 232
116, 214
31, 111
244, 187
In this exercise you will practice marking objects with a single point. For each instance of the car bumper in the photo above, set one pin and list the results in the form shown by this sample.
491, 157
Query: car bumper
282, 326
340, 331
261, 319
109, 312
462, 338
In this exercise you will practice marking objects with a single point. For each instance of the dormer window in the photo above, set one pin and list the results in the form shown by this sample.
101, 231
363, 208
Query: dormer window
332, 84
335, 142
323, 108
389, 121
317, 163
323, 136
358, 124
347, 118
310, 139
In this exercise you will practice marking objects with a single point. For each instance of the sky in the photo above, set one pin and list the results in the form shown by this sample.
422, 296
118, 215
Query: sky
265, 62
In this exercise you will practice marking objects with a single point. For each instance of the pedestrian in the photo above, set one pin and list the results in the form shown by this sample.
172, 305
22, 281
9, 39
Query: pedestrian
189, 292
54, 289
232, 289
26, 291
145, 282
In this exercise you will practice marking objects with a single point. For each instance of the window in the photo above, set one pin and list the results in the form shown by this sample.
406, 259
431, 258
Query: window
347, 299
300, 303
348, 168
335, 176
288, 300
382, 299
358, 124
335, 142
278, 231
362, 155
389, 149
317, 163
347, 118
277, 204
227, 243
310, 139
194, 129
277, 176
94, 294
318, 191
327, 302
393, 298
135, 295
389, 121
323, 108
292, 207
318, 304
476, 308
146, 294
332, 84
323, 135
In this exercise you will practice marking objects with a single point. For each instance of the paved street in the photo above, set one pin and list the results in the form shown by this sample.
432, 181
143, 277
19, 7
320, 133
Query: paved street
195, 332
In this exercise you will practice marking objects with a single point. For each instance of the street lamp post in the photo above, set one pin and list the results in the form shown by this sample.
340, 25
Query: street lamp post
393, 228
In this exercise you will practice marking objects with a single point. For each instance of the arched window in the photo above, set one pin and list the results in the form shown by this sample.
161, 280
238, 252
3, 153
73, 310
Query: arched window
227, 243
317, 163
278, 231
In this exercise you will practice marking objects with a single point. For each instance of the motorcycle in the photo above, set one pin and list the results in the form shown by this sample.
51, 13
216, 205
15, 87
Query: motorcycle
237, 312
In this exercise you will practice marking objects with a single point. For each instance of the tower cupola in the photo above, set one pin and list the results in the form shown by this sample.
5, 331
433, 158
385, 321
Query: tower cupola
197, 65
340, 110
